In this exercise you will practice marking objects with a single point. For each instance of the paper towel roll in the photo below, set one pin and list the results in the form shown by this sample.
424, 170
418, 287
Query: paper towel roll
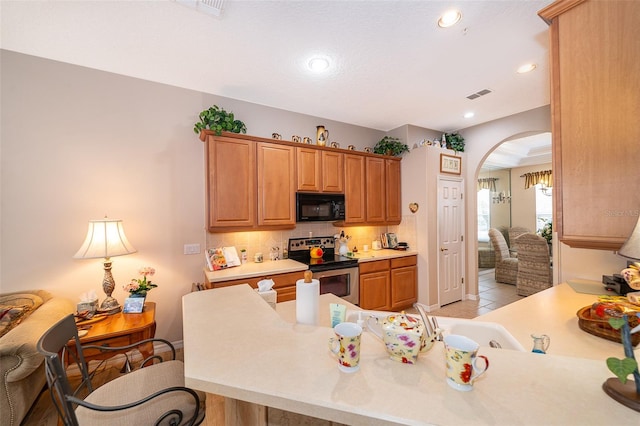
307, 300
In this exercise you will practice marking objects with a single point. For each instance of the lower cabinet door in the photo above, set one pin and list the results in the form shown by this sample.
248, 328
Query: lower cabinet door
374, 291
403, 287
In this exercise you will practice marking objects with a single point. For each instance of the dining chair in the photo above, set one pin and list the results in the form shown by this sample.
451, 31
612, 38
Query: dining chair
154, 394
534, 265
506, 266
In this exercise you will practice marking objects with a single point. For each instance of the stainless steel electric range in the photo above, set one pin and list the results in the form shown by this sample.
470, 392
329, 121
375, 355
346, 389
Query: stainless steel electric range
337, 274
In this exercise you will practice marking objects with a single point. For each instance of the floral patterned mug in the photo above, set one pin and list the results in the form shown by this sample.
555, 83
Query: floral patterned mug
346, 346
462, 362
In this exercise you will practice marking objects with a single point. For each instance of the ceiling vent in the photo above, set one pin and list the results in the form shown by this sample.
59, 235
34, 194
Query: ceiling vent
478, 94
209, 7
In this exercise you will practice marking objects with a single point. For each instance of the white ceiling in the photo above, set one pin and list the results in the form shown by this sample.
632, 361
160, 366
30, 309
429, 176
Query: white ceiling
522, 152
390, 63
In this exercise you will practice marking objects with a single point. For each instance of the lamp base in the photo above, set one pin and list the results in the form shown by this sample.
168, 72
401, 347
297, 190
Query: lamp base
625, 394
109, 306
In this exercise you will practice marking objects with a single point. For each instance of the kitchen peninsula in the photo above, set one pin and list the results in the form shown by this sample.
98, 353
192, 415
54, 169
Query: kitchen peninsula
237, 346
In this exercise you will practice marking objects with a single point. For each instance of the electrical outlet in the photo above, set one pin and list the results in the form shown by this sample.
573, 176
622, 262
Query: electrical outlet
192, 249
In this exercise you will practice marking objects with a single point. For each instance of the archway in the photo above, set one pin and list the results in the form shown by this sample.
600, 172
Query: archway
501, 201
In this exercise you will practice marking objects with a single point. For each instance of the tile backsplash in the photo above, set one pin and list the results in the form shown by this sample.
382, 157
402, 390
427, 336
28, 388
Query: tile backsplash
262, 241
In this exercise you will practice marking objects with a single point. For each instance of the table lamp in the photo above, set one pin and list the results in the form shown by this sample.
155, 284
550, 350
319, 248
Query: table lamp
631, 248
106, 239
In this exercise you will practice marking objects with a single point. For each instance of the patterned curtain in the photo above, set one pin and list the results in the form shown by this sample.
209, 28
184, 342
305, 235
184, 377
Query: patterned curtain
544, 177
487, 183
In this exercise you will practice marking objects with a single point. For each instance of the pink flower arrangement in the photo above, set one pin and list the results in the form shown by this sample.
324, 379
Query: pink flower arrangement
140, 286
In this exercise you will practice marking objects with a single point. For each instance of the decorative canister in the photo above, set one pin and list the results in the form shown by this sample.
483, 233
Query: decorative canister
322, 136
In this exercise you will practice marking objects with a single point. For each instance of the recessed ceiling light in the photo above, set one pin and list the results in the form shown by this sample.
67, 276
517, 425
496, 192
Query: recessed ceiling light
526, 68
469, 114
449, 18
318, 64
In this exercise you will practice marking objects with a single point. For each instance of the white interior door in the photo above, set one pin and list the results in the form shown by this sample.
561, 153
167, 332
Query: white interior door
450, 240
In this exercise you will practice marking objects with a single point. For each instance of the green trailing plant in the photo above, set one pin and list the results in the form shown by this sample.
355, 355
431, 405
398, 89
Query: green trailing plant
390, 146
455, 141
218, 120
622, 368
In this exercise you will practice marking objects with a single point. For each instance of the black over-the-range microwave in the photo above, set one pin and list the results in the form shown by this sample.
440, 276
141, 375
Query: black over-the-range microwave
319, 207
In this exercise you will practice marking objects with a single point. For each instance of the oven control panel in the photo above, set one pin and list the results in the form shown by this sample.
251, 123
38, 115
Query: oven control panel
304, 244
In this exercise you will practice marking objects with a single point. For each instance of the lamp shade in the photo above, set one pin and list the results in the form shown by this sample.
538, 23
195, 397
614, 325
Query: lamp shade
631, 247
105, 238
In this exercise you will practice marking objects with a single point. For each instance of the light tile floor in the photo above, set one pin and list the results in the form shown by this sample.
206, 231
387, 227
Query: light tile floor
492, 295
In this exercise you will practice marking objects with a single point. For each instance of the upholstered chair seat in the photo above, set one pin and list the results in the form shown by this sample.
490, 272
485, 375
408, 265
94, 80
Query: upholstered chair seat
506, 266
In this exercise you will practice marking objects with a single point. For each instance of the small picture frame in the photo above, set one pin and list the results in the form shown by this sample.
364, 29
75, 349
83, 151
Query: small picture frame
133, 305
450, 164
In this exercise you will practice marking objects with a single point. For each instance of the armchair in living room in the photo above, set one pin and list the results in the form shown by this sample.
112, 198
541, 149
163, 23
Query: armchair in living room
534, 265
506, 266
154, 394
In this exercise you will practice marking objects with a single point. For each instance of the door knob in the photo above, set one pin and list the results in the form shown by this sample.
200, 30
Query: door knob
443, 249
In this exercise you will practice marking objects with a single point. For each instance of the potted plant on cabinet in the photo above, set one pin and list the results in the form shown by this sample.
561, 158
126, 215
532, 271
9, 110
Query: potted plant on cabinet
455, 141
390, 146
219, 120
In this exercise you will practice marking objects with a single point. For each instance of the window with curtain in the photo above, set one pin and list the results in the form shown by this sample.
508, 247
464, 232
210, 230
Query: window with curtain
484, 214
544, 178
544, 206
487, 183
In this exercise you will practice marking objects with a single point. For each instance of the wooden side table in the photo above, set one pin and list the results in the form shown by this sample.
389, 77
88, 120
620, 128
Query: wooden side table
120, 330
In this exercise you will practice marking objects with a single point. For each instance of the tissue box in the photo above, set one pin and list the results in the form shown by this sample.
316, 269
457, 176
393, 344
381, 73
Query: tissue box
269, 296
91, 306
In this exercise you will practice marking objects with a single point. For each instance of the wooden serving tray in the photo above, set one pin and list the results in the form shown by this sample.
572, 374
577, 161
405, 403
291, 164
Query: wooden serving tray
601, 328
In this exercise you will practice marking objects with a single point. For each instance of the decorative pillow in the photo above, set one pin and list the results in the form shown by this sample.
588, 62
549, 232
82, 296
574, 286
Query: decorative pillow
14, 308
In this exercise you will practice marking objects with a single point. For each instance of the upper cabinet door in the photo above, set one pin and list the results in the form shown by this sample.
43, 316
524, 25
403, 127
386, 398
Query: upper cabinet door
231, 182
354, 191
276, 184
332, 171
394, 192
595, 105
309, 171
376, 190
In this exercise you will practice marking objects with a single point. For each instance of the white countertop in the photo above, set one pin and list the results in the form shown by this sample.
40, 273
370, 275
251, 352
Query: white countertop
235, 345
252, 269
553, 312
371, 255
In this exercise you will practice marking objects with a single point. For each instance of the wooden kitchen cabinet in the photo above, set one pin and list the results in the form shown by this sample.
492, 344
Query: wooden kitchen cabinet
276, 187
376, 190
319, 170
394, 192
250, 184
231, 182
284, 284
375, 285
383, 194
390, 284
595, 64
354, 189
404, 280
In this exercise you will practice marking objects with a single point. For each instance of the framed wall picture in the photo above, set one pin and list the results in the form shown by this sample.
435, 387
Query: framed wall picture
450, 164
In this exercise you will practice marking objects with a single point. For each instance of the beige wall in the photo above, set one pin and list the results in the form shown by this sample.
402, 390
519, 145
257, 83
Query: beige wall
79, 143
480, 141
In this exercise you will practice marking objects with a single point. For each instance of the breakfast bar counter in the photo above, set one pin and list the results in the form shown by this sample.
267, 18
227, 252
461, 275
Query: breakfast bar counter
553, 312
238, 347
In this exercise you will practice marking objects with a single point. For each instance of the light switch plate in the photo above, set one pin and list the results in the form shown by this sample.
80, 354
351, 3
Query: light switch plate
192, 249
